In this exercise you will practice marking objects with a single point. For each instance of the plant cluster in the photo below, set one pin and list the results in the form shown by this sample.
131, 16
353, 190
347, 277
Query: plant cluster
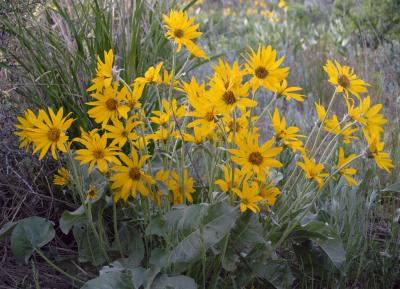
205, 183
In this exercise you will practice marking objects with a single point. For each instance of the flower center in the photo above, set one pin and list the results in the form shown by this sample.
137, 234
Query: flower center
261, 72
124, 133
53, 134
238, 126
343, 81
179, 33
134, 174
112, 104
255, 158
209, 116
245, 201
98, 154
229, 97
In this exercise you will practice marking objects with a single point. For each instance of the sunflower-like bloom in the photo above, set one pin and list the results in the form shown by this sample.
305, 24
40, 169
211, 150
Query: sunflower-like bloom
249, 197
152, 75
168, 112
345, 80
255, 158
24, 125
181, 28
241, 126
163, 133
62, 178
288, 135
132, 99
92, 193
205, 114
48, 131
375, 151
229, 96
347, 172
313, 170
104, 75
109, 104
370, 116
269, 193
130, 178
121, 133
289, 92
96, 151
332, 125
198, 137
226, 183
193, 90
264, 68
174, 184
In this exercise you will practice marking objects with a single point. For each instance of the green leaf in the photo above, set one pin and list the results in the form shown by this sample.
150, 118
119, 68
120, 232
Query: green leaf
216, 223
69, 219
248, 230
131, 243
157, 227
334, 250
175, 282
276, 272
111, 280
6, 229
395, 188
29, 235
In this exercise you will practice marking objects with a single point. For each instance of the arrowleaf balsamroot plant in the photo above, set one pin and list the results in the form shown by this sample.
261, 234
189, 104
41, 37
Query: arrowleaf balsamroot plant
199, 194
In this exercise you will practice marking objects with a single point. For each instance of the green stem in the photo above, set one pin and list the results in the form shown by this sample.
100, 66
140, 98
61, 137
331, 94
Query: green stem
41, 254
115, 226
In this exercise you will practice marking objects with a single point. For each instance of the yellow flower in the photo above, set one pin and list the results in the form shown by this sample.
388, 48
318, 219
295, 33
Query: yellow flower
226, 183
132, 99
25, 124
241, 126
249, 197
96, 151
376, 147
174, 183
344, 78
152, 75
109, 104
104, 75
198, 137
313, 170
162, 133
92, 193
48, 132
121, 133
264, 68
130, 178
167, 78
255, 158
269, 193
289, 92
281, 4
347, 173
195, 50
230, 75
62, 177
194, 91
289, 136
370, 116
163, 116
231, 95
180, 28
205, 115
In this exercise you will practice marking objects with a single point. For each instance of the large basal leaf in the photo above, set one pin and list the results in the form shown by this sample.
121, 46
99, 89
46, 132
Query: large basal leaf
247, 231
131, 243
175, 282
7, 229
216, 223
275, 272
334, 250
30, 234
